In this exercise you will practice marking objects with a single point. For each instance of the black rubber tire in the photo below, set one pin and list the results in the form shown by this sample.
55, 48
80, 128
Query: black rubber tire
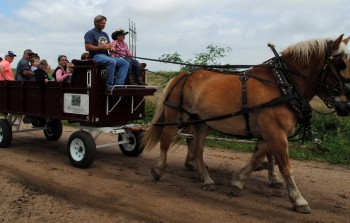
5, 133
81, 149
133, 148
53, 130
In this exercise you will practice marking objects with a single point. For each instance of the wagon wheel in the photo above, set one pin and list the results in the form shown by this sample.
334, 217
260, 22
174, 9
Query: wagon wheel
81, 149
5, 133
133, 147
53, 130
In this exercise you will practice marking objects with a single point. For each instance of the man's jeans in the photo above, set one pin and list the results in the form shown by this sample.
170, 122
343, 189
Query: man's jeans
111, 64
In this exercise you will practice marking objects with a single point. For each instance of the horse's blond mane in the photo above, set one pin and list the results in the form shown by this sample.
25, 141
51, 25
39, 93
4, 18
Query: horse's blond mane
301, 51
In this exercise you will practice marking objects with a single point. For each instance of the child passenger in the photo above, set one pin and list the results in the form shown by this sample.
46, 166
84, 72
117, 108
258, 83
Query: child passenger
60, 74
34, 61
41, 74
70, 69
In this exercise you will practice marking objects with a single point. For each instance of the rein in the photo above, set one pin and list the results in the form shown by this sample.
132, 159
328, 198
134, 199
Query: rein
198, 65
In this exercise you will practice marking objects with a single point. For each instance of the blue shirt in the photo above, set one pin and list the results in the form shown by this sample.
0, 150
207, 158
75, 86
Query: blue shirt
22, 65
97, 38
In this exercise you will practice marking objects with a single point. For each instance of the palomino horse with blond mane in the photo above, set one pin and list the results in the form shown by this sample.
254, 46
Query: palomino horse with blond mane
265, 101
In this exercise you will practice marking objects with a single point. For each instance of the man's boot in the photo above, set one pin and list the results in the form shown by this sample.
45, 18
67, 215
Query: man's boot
129, 80
140, 81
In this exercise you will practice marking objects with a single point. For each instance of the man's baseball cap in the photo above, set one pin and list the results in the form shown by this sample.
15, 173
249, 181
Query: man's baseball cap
10, 53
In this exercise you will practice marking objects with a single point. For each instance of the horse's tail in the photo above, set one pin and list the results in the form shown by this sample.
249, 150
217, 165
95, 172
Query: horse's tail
152, 135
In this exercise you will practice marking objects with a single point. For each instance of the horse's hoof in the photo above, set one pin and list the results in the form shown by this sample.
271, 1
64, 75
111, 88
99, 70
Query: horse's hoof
277, 185
208, 187
155, 174
304, 209
236, 192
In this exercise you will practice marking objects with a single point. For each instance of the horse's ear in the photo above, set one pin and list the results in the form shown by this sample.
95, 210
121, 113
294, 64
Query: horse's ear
337, 42
346, 40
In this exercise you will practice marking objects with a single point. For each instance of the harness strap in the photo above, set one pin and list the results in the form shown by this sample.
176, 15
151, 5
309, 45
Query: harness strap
166, 102
243, 78
276, 101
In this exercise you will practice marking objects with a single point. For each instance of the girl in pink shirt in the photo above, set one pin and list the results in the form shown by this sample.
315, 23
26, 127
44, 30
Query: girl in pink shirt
60, 73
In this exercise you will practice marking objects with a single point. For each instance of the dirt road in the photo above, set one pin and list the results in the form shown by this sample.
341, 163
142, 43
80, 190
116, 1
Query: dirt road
38, 184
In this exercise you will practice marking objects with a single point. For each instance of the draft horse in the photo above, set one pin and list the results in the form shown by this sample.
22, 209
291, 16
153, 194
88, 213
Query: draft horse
265, 101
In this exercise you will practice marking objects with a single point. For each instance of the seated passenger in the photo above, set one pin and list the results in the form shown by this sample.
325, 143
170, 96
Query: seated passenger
60, 74
97, 43
120, 49
85, 56
23, 72
5, 63
34, 61
70, 69
2, 70
41, 74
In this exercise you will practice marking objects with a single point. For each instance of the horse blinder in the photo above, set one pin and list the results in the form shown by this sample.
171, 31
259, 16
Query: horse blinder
342, 108
341, 85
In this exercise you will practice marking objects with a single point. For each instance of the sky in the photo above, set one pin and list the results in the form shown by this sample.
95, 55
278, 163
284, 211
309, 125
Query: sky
51, 28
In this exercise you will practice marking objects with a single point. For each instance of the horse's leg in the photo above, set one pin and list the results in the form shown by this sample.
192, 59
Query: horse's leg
197, 145
190, 163
238, 180
165, 141
276, 182
280, 152
279, 149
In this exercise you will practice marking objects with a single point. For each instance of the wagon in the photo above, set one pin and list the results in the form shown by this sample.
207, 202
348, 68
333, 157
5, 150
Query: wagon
83, 101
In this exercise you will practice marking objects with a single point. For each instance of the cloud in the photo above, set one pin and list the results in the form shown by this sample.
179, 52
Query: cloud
187, 27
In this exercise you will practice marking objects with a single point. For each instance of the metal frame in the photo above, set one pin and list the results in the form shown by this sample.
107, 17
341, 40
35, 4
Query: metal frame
16, 120
99, 130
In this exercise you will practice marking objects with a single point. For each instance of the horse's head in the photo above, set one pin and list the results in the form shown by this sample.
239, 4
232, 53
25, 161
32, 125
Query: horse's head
334, 86
323, 63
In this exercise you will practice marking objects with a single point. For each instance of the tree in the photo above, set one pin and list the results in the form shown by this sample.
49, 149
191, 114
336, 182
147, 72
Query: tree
201, 59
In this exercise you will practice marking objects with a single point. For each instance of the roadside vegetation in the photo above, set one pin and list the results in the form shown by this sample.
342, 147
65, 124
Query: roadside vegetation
330, 130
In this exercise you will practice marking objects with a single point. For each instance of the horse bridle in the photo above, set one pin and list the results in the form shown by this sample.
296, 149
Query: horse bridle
331, 71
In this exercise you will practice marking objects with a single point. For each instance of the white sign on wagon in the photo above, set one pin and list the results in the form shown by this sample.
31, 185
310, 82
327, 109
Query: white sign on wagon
76, 103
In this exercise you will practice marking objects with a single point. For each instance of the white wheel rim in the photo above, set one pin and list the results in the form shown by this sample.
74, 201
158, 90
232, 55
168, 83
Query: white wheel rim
129, 136
77, 149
